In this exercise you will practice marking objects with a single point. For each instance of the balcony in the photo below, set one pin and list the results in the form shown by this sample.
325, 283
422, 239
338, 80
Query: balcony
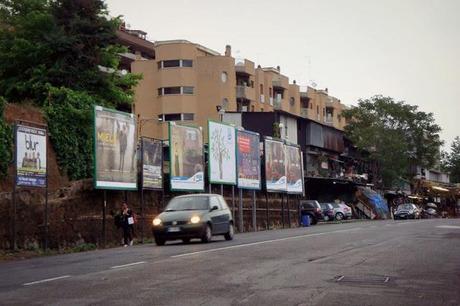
329, 119
244, 66
245, 92
330, 102
304, 112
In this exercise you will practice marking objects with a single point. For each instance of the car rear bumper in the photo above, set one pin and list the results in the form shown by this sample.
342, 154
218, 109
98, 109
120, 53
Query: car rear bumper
180, 231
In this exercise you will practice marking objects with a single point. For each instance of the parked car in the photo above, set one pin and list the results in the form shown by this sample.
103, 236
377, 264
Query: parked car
313, 209
193, 216
407, 211
328, 211
341, 211
429, 213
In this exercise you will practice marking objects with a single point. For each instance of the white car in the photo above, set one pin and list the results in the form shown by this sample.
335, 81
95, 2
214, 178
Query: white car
341, 211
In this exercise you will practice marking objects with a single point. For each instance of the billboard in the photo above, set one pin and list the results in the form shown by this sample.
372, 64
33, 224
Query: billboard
115, 149
222, 154
152, 162
30, 156
248, 160
294, 169
275, 165
186, 157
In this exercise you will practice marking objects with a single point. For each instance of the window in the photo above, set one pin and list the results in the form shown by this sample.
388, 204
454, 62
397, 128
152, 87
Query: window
252, 84
171, 63
176, 117
187, 63
172, 117
187, 90
270, 92
215, 202
261, 89
186, 117
175, 63
317, 109
176, 90
224, 77
292, 101
252, 108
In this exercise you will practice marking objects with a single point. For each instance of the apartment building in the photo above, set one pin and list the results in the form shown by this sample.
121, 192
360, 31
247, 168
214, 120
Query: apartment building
188, 82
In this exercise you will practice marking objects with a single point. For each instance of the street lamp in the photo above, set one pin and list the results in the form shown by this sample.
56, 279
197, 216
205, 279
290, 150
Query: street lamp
220, 111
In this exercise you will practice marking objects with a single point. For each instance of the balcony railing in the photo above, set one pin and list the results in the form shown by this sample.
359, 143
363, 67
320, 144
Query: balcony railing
304, 112
245, 92
277, 102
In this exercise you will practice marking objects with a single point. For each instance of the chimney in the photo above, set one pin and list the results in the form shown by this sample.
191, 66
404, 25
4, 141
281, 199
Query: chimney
228, 50
326, 90
258, 66
278, 68
294, 82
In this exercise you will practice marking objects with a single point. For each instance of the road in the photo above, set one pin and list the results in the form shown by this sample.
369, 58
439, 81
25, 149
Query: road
360, 263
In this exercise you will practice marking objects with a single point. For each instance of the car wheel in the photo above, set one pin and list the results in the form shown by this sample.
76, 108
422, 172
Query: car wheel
339, 216
313, 220
207, 234
186, 240
231, 232
160, 241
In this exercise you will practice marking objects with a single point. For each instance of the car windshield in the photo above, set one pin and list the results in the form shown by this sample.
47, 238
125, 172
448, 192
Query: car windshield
405, 207
188, 203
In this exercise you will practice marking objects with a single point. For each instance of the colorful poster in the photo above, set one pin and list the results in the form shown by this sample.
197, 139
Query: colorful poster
222, 154
186, 157
275, 166
115, 150
30, 156
152, 161
248, 160
294, 169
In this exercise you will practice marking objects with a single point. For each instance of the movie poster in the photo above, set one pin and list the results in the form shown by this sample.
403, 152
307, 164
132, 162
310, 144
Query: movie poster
186, 157
115, 150
152, 158
248, 160
275, 166
222, 154
294, 169
30, 156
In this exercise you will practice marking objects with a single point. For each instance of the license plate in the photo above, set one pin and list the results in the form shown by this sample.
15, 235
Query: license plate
174, 229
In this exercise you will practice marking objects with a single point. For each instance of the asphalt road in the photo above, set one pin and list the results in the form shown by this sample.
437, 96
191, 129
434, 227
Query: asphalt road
361, 263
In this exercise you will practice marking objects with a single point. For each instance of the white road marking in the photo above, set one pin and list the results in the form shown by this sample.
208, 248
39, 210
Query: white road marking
449, 226
128, 265
262, 242
46, 280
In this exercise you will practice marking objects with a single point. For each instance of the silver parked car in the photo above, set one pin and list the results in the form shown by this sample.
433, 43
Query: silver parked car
341, 211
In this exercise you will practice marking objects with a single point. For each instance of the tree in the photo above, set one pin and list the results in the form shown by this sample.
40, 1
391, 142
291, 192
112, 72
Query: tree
451, 161
219, 149
396, 134
62, 56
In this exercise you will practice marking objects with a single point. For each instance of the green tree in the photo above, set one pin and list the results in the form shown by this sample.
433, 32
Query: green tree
62, 55
6, 141
451, 161
395, 133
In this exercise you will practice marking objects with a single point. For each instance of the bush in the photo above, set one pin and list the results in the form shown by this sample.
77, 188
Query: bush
6, 141
70, 120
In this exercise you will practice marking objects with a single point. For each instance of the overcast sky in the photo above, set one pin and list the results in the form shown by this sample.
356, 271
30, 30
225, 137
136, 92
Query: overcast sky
409, 50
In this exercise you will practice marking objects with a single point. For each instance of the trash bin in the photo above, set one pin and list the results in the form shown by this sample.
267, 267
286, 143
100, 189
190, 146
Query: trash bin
305, 220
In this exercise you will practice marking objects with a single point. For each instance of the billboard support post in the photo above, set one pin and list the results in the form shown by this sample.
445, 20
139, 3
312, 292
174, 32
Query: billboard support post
267, 210
46, 211
104, 205
254, 211
282, 209
240, 212
233, 202
13, 220
221, 189
288, 211
142, 190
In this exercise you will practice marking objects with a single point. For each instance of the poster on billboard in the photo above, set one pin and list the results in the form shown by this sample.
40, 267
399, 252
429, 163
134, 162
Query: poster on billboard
114, 149
222, 153
248, 160
186, 157
152, 162
294, 169
30, 156
275, 165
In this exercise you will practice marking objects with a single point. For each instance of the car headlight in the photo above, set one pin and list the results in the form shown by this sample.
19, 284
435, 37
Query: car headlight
195, 219
156, 222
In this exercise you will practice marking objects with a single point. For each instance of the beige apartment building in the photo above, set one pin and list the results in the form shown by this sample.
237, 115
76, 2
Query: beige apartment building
187, 82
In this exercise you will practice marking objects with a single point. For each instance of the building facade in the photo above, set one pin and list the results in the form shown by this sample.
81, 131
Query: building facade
190, 83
